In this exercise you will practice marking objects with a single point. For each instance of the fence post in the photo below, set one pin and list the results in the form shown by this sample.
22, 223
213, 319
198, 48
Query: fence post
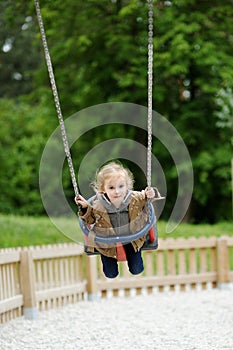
27, 281
91, 273
223, 266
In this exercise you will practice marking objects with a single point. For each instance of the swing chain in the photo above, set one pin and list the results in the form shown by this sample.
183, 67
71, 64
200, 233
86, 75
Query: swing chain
56, 98
150, 85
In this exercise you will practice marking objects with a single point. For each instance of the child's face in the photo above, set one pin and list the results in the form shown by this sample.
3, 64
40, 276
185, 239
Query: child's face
116, 189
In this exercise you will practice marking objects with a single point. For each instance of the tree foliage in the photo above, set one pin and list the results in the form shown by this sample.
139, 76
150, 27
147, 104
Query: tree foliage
23, 133
99, 54
18, 55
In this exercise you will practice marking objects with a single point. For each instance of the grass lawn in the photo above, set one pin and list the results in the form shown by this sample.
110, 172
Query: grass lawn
18, 231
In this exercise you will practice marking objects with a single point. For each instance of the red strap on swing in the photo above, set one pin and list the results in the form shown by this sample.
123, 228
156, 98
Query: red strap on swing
120, 252
151, 233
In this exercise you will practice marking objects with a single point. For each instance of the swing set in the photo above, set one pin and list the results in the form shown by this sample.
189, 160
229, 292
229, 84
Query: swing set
149, 229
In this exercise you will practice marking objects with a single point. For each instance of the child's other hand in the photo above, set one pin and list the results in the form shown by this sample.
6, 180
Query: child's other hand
150, 193
79, 200
153, 192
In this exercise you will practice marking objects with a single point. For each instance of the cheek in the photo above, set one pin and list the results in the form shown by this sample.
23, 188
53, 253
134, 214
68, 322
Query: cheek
109, 193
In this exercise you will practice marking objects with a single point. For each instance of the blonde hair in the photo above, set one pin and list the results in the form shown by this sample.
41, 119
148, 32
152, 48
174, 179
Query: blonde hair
110, 170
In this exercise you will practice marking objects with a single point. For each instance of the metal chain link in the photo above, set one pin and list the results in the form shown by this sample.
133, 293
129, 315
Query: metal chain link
56, 98
150, 90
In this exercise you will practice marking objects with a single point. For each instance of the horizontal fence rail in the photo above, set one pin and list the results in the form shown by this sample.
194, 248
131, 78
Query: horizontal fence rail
39, 278
178, 263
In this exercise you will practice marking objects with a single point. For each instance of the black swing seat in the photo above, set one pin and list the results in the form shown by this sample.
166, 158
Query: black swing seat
150, 229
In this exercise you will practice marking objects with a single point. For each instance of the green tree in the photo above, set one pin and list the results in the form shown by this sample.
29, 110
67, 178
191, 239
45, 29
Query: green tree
18, 54
99, 53
23, 134
193, 64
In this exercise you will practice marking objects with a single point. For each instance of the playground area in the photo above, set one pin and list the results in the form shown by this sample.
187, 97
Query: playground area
174, 290
194, 320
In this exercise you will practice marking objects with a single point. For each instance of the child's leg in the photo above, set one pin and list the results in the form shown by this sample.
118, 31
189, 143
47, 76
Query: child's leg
135, 261
110, 266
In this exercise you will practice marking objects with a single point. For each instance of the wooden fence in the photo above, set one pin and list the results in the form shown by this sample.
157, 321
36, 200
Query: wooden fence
40, 278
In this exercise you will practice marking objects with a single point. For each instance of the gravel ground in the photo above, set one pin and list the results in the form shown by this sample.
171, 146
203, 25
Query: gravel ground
195, 320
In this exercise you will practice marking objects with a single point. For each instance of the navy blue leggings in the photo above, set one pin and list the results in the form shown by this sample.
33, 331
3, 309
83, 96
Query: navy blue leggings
134, 259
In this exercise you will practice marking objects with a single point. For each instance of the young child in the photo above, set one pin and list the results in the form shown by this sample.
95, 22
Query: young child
116, 208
